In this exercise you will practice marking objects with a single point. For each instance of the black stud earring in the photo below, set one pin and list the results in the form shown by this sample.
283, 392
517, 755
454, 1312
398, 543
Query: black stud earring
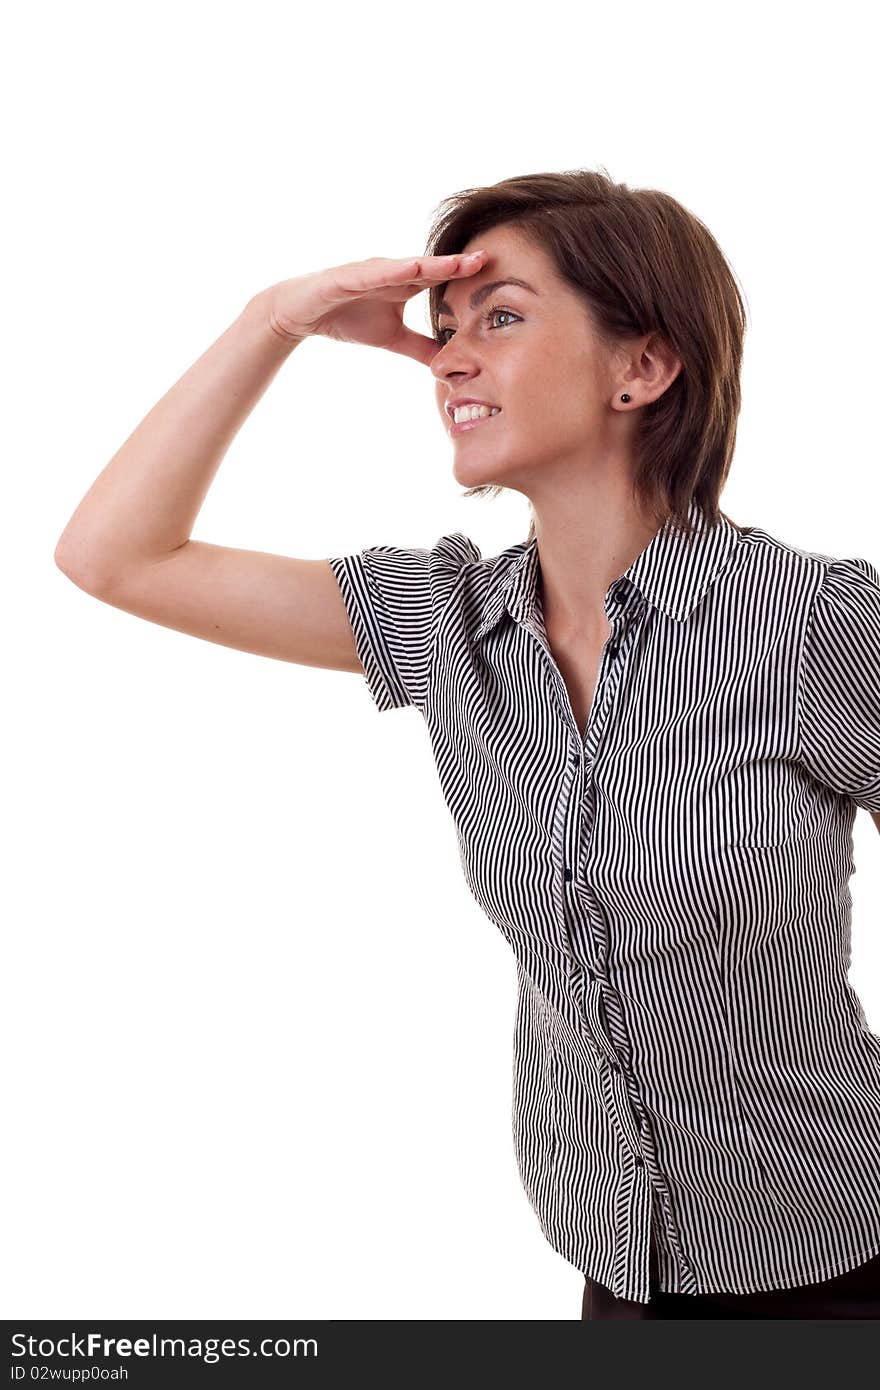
625, 397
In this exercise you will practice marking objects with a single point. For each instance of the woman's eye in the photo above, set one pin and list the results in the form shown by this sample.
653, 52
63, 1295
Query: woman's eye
490, 314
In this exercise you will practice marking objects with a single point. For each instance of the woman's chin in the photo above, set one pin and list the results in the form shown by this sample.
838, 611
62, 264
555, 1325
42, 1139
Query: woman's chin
470, 473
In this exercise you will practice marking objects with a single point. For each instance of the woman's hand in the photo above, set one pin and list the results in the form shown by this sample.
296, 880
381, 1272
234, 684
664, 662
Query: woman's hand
362, 301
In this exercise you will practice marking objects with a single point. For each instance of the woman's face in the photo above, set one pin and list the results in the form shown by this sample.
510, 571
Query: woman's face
532, 352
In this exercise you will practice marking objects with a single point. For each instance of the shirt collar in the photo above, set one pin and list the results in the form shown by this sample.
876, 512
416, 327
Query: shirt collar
673, 572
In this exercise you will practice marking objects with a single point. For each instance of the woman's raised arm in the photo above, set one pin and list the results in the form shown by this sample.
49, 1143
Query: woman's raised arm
128, 542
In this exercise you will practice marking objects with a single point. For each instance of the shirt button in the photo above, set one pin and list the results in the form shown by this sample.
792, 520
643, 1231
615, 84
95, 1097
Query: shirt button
614, 1064
639, 1161
567, 874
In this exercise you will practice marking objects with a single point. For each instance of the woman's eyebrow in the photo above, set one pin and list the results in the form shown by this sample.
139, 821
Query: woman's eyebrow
479, 295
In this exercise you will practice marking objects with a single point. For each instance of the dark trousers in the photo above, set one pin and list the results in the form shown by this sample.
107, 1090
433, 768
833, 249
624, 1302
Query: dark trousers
855, 1294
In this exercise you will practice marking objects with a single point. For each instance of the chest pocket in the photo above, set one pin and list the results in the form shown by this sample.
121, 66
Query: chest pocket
760, 842
765, 805
773, 827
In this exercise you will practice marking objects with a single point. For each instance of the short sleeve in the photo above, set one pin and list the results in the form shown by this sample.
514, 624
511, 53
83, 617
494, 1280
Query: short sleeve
395, 599
839, 689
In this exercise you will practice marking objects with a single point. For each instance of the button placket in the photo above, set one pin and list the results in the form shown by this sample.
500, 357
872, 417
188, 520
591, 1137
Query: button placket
608, 680
565, 829
673, 1239
579, 925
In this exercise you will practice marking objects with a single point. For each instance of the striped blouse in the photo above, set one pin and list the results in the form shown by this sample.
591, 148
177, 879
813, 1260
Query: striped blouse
690, 1060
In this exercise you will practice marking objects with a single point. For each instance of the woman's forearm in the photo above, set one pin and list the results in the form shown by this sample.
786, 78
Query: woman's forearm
145, 502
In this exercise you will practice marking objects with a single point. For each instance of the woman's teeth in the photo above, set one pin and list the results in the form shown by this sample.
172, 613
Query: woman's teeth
474, 412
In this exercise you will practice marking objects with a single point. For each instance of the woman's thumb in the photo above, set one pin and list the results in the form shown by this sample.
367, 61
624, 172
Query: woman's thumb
416, 345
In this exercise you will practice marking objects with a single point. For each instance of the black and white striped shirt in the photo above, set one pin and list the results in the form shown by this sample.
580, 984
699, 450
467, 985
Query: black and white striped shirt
689, 1057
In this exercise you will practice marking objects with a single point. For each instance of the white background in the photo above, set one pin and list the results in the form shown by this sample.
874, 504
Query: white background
257, 1033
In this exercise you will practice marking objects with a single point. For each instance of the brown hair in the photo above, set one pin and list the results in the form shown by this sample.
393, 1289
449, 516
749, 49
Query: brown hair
642, 263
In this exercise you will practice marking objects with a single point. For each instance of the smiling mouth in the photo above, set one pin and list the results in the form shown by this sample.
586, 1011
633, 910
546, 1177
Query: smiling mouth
471, 424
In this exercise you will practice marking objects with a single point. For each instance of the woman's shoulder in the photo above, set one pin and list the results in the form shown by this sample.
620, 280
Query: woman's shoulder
772, 549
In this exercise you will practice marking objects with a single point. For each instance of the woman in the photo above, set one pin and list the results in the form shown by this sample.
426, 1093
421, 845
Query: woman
652, 727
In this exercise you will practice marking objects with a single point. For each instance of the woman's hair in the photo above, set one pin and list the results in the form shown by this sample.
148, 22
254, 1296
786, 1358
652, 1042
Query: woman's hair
642, 263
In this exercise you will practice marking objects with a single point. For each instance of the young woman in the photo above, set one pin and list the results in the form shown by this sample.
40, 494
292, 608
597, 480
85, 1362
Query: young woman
652, 726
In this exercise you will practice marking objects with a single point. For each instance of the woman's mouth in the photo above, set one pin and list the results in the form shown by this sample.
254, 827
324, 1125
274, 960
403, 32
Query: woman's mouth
471, 424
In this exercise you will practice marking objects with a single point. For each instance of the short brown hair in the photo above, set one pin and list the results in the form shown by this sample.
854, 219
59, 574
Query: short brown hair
642, 263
